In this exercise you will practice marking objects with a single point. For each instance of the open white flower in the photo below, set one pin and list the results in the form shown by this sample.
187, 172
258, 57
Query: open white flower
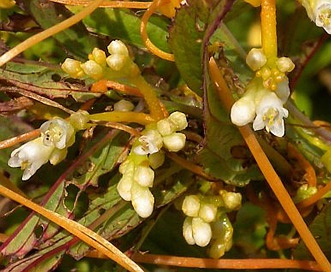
30, 157
270, 114
150, 143
58, 133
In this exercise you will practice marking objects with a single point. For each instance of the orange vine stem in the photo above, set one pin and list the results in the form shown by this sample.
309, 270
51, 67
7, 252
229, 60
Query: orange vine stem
86, 235
143, 31
49, 32
225, 263
18, 139
269, 173
316, 197
107, 4
122, 127
119, 116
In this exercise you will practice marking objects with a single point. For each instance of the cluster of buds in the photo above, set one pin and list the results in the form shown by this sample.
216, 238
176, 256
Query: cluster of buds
146, 155
52, 145
265, 95
117, 64
206, 221
319, 11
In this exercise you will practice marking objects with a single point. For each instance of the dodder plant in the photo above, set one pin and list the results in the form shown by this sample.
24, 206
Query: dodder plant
150, 136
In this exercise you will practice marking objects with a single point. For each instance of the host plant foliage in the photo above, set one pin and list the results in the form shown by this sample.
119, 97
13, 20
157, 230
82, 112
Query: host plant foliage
163, 135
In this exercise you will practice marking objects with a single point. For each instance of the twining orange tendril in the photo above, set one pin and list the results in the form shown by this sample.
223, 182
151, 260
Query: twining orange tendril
87, 235
48, 32
225, 263
143, 31
190, 166
125, 128
269, 173
316, 197
310, 175
21, 138
107, 4
102, 86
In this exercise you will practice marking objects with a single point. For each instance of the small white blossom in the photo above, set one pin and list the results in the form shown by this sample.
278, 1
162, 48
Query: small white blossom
58, 133
179, 120
243, 111
30, 157
92, 69
191, 205
187, 231
118, 47
72, 68
151, 142
99, 56
123, 105
285, 64
270, 114
208, 212
144, 176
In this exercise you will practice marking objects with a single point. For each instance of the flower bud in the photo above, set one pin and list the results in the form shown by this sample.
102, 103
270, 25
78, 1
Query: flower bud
118, 47
116, 62
179, 120
174, 142
165, 127
191, 205
72, 68
92, 69
285, 64
243, 111
144, 175
256, 59
208, 212
123, 105
142, 200
79, 119
99, 56
232, 201
201, 232
156, 159
188, 231
124, 187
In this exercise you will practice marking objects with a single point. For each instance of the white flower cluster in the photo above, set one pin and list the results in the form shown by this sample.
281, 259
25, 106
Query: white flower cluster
56, 136
146, 155
265, 96
100, 65
206, 221
319, 11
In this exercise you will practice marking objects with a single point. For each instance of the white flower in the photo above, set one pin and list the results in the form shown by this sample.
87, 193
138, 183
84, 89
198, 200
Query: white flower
142, 200
323, 15
151, 142
174, 142
118, 47
208, 212
270, 114
191, 205
57, 133
144, 176
202, 232
30, 157
179, 120
187, 231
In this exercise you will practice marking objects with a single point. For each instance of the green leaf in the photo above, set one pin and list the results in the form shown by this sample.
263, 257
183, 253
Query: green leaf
119, 24
76, 39
320, 228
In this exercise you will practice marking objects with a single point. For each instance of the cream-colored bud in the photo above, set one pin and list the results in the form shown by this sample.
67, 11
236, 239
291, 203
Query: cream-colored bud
174, 142
116, 61
187, 231
285, 64
165, 127
191, 205
232, 201
208, 212
124, 187
99, 56
243, 111
179, 120
201, 231
144, 175
72, 68
92, 69
142, 200
79, 119
123, 105
256, 59
118, 47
